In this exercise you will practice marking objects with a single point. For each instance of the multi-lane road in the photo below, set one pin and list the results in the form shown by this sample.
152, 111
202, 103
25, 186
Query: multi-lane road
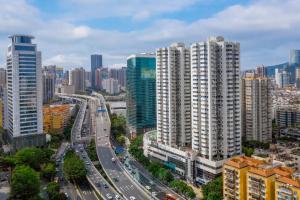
124, 183
127, 185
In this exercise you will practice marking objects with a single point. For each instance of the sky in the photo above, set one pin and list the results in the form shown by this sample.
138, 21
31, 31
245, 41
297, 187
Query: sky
69, 31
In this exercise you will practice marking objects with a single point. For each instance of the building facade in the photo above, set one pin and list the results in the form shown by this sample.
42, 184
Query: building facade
111, 86
24, 93
198, 108
118, 74
282, 78
256, 109
173, 95
216, 109
48, 86
287, 116
56, 118
246, 178
141, 92
100, 75
77, 79
96, 63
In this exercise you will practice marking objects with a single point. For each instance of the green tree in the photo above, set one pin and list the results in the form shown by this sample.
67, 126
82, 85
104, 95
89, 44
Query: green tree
214, 196
74, 167
53, 192
120, 139
91, 150
32, 157
48, 171
215, 186
248, 151
25, 183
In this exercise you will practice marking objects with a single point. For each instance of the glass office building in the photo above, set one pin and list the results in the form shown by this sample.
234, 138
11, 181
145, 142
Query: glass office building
96, 63
295, 56
141, 92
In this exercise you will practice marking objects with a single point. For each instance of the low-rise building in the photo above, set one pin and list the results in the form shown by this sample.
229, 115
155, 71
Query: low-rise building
246, 178
56, 118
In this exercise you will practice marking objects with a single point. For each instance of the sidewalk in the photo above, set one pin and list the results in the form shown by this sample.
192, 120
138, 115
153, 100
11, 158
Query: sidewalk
198, 191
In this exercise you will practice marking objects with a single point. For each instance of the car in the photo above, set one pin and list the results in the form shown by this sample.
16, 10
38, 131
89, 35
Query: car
154, 193
117, 196
105, 185
98, 185
105, 129
116, 179
132, 198
109, 196
113, 160
98, 138
148, 187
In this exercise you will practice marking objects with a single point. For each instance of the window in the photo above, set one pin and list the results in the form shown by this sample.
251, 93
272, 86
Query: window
24, 48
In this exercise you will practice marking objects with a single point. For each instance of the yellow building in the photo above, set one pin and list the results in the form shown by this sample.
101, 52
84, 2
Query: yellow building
56, 118
246, 178
287, 187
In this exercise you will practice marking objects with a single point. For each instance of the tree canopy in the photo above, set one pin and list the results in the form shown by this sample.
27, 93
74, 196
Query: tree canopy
214, 189
74, 167
25, 183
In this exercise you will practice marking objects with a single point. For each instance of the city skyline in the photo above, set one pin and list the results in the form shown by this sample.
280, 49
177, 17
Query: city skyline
135, 29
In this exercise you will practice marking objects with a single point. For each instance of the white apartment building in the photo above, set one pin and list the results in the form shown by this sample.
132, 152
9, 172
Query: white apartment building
24, 93
198, 108
216, 109
173, 95
111, 86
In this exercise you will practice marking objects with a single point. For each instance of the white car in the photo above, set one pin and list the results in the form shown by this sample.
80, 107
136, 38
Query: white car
132, 198
117, 196
148, 187
109, 196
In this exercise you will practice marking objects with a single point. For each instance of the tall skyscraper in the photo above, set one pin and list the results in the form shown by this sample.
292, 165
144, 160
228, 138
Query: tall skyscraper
173, 95
198, 108
24, 93
141, 93
216, 109
96, 63
256, 109
77, 79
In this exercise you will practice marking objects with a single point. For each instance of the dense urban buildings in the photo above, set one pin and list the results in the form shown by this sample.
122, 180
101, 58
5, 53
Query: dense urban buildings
118, 74
96, 63
111, 86
24, 121
77, 79
213, 103
287, 116
282, 78
257, 103
248, 178
141, 92
173, 95
100, 75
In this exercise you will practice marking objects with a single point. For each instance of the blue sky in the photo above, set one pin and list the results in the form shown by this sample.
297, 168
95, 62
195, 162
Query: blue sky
68, 31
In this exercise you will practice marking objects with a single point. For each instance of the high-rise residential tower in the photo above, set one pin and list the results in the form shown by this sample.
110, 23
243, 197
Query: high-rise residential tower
198, 108
141, 95
96, 63
77, 79
216, 109
173, 95
24, 93
256, 108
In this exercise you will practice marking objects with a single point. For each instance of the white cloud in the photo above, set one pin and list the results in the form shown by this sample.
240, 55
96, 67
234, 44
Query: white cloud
266, 29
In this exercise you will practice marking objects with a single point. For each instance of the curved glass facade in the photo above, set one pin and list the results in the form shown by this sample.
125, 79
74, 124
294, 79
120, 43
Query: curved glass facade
141, 91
